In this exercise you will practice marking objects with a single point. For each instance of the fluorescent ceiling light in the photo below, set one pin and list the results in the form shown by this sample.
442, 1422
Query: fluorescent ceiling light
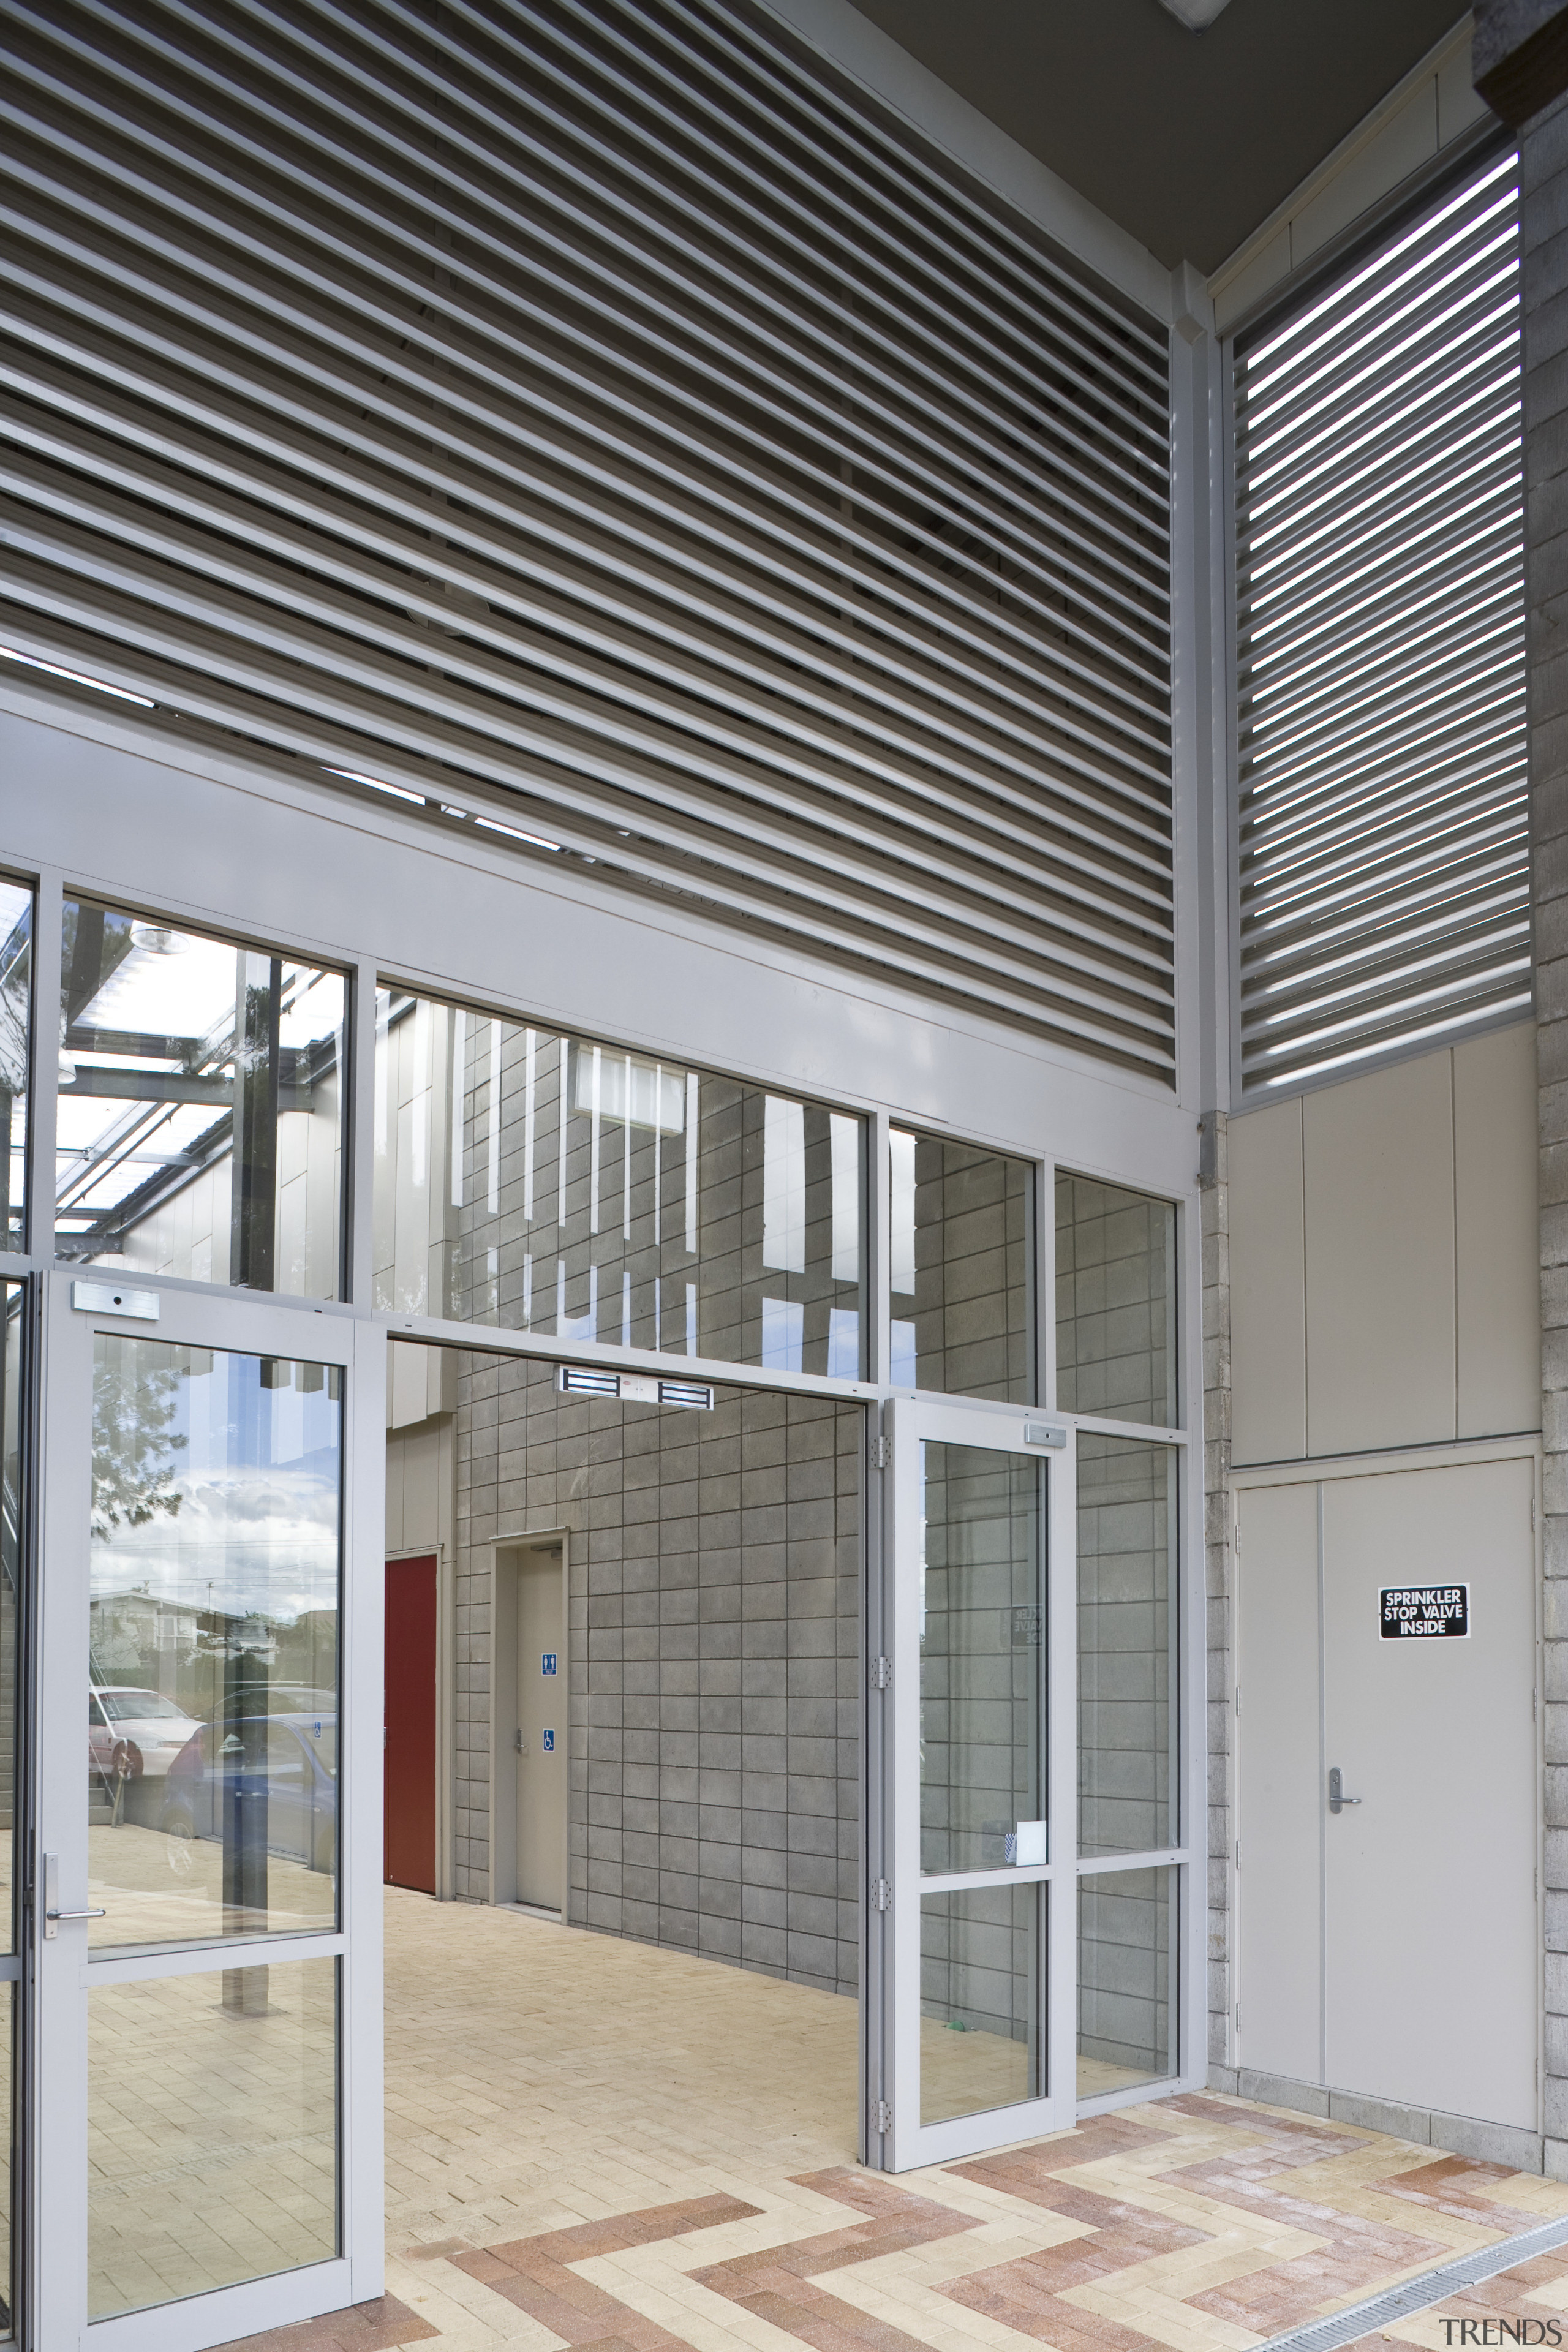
1194, 13
77, 678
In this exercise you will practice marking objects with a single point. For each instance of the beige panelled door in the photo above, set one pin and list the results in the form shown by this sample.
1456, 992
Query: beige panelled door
542, 1732
1389, 1946
1431, 1914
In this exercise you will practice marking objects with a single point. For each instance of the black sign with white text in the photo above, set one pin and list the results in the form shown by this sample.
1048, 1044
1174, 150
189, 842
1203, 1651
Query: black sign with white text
1425, 1612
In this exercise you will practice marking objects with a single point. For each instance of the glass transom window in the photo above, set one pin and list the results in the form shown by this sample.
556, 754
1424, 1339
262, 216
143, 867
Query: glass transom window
556, 1184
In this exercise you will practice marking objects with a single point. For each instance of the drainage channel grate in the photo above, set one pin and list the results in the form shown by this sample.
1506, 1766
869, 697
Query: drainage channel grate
1417, 2293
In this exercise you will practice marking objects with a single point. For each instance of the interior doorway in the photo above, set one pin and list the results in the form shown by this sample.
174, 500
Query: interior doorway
531, 1725
408, 1728
655, 1689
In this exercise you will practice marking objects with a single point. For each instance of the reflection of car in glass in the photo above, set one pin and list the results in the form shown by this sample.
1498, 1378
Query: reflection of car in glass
137, 1732
291, 1760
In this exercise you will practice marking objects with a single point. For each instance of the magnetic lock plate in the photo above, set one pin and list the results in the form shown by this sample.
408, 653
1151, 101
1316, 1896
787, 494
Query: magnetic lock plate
113, 1299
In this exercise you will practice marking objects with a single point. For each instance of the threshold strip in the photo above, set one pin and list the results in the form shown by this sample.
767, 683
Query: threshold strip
1418, 2293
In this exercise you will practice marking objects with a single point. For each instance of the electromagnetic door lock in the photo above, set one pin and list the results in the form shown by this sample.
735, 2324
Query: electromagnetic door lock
1338, 1799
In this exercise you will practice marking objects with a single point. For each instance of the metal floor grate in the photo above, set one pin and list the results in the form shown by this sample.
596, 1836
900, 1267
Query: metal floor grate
1418, 2293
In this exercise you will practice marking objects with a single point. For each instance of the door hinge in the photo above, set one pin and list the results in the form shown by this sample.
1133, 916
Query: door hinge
881, 1672
884, 2117
881, 1453
881, 1893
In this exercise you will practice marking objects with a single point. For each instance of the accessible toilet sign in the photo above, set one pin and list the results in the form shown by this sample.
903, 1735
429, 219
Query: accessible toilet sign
1425, 1612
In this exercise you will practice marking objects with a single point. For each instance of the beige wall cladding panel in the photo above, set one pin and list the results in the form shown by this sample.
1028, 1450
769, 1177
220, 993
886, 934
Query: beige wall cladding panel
1267, 1286
414, 1490
1496, 1233
1378, 1157
1496, 1245
1278, 1887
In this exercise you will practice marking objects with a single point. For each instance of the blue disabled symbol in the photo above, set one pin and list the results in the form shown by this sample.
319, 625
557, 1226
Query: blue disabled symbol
550, 1743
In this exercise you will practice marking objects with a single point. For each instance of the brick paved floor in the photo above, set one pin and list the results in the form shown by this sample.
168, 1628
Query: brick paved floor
591, 2144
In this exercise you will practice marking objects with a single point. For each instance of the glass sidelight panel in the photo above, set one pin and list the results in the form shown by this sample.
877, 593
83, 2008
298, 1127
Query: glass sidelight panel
981, 1957
212, 2145
200, 1108
553, 1184
1116, 1303
12, 1507
15, 1056
1128, 1717
982, 1660
960, 1268
211, 1707
1127, 1979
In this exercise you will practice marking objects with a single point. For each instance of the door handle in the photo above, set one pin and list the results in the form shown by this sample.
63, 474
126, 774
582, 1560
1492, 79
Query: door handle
52, 1912
521, 1743
1338, 1799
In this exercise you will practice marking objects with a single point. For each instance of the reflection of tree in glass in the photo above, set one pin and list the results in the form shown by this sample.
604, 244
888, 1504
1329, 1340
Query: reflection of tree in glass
134, 1400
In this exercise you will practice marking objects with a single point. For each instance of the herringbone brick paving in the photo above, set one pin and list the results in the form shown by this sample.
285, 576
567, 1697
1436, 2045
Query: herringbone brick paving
595, 2144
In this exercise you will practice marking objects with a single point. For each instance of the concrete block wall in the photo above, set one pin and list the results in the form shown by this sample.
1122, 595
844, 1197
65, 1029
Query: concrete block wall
1116, 1323
1544, 164
716, 1219
715, 1659
969, 1310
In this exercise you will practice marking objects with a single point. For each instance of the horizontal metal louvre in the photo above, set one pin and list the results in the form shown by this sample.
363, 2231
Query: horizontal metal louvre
588, 418
1383, 853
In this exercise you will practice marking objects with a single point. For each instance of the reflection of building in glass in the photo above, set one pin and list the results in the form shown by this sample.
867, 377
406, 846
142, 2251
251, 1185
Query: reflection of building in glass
199, 1107
554, 1185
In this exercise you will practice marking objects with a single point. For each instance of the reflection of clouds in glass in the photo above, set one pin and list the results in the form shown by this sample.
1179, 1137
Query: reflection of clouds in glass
266, 1541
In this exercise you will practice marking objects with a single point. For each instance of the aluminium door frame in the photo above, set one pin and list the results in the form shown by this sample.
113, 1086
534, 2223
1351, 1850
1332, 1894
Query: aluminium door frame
63, 1973
910, 2143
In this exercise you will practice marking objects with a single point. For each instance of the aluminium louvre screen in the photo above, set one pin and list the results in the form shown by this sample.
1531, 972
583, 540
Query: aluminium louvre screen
1381, 824
588, 418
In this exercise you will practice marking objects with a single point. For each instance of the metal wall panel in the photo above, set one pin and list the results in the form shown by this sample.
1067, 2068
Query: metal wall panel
590, 421
1384, 890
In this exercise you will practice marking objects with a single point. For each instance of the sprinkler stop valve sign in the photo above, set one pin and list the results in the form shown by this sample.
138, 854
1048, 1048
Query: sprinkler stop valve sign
1425, 1612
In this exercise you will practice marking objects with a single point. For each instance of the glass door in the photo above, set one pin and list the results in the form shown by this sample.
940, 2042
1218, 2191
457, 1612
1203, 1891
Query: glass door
982, 1839
206, 1860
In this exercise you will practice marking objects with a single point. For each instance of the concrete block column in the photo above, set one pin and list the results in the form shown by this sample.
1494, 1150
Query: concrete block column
1507, 39
1217, 1582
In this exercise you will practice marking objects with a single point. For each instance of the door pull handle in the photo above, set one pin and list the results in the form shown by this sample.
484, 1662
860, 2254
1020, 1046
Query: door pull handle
1338, 1799
52, 1912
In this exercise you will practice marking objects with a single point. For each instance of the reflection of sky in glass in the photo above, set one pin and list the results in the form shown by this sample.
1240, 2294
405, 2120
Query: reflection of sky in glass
258, 1480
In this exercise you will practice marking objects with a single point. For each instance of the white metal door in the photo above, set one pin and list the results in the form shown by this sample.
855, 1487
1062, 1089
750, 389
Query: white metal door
234, 1976
1388, 1930
1430, 1930
981, 1835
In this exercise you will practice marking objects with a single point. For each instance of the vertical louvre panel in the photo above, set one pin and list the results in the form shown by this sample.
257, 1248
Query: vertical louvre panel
1380, 615
587, 420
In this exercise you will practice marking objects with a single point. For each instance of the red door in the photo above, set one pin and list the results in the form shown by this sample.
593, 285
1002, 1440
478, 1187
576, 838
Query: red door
410, 1750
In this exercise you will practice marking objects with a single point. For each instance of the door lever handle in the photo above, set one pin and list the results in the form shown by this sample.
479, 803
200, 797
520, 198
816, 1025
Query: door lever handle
1338, 1799
52, 1913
